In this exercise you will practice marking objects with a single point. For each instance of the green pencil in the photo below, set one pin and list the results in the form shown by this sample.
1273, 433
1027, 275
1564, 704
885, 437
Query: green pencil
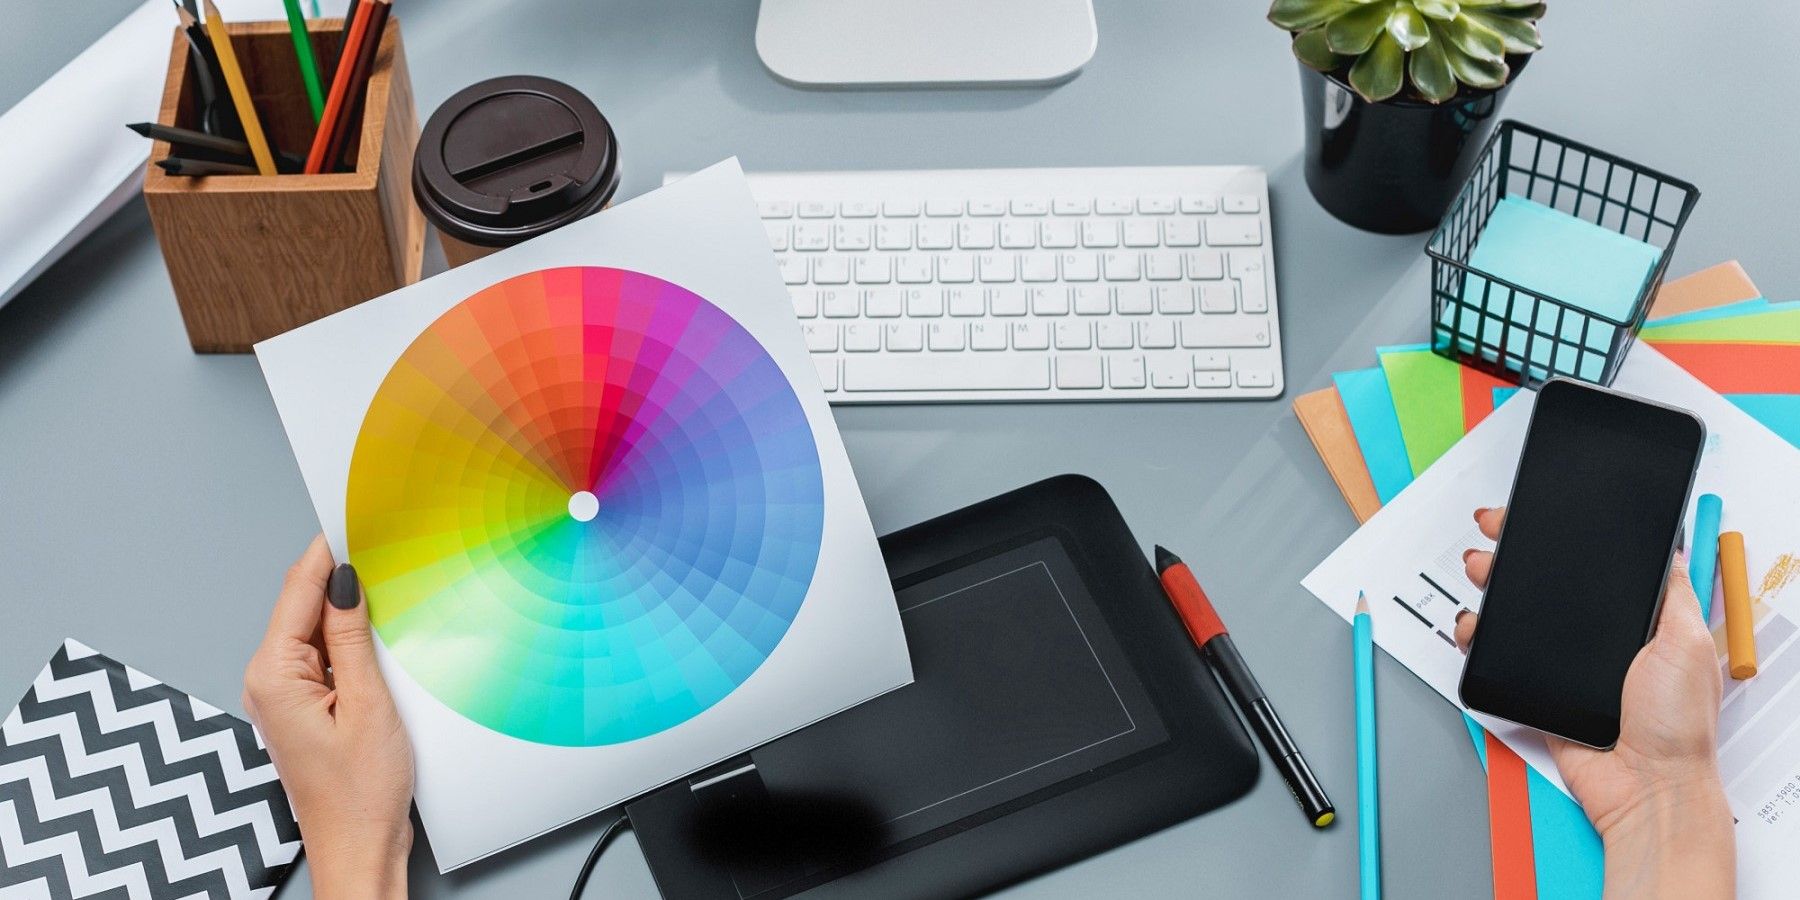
309, 69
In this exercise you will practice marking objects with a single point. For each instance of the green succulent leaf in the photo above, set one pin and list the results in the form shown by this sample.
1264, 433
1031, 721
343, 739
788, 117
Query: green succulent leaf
1303, 15
1356, 31
1501, 4
1429, 68
1473, 38
1407, 27
1441, 10
1480, 73
1519, 34
1310, 48
1379, 73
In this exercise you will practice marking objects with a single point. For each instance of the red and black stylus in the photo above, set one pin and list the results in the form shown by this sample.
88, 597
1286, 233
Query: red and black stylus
1208, 631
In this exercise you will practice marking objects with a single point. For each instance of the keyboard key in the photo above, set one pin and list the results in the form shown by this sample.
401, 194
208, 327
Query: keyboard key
946, 336
1073, 334
841, 303
1225, 331
943, 206
1242, 203
1181, 232
968, 302
987, 207
937, 235
806, 303
1212, 379
1092, 300
1217, 297
1049, 301
862, 337
987, 335
812, 236
859, 209
1142, 232
1204, 265
1037, 267
1233, 231
912, 269
953, 373
1059, 234
871, 269
817, 209
997, 267
893, 236
1174, 299
828, 371
903, 337
1211, 361
975, 235
1156, 334
1162, 265
1113, 334
1247, 268
1078, 371
1113, 206
778, 235
1030, 206
1125, 370
1071, 206
1133, 299
1080, 266
903, 209
1168, 370
1123, 265
1031, 334
883, 303
775, 209
831, 270
925, 302
1099, 233
1199, 203
1017, 235
956, 268
793, 269
821, 337
1156, 205
1255, 378
1007, 301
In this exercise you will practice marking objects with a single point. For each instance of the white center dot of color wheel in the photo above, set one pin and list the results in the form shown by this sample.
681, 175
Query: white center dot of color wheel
584, 506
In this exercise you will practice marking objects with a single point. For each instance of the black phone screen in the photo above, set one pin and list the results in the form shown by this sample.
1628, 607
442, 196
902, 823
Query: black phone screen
1578, 574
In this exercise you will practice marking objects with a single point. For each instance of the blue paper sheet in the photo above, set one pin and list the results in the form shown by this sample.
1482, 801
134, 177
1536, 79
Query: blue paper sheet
1370, 407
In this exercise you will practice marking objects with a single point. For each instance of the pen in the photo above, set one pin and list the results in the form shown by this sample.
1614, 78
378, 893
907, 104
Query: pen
1209, 635
1368, 793
175, 165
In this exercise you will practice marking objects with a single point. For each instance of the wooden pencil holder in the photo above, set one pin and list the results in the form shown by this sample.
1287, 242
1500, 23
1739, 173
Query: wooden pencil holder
252, 256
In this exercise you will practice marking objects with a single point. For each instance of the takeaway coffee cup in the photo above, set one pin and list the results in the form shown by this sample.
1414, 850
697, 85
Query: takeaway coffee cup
508, 159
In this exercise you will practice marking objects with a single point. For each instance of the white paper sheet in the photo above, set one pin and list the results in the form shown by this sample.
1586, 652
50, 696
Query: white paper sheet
1409, 555
69, 161
480, 791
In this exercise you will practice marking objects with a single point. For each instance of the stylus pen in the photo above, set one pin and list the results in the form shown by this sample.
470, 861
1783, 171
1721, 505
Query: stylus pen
1368, 793
1208, 631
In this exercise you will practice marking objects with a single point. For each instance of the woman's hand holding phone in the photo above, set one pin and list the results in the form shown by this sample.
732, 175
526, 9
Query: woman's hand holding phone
1656, 798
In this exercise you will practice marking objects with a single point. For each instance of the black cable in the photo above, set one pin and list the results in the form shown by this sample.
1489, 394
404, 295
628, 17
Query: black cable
587, 868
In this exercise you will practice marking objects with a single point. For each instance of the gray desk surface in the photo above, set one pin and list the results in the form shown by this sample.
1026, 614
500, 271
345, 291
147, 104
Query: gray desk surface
149, 503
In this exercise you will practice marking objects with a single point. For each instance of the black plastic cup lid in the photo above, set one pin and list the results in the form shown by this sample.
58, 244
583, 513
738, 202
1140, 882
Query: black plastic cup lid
511, 158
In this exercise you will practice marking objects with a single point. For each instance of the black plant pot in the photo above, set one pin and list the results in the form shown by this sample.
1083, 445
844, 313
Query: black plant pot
1393, 166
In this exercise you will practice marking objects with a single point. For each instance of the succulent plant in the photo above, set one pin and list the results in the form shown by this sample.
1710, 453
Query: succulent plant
1436, 44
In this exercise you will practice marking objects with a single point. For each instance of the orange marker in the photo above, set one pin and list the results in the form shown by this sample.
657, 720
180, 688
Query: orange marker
1740, 627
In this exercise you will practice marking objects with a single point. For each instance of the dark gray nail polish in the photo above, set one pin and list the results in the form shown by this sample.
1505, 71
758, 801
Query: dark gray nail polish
341, 589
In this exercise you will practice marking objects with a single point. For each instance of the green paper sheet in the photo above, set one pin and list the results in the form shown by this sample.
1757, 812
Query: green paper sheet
1779, 325
1427, 391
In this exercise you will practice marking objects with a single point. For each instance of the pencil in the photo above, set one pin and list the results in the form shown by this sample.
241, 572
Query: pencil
340, 86
1740, 627
1368, 793
303, 51
175, 165
359, 82
240, 92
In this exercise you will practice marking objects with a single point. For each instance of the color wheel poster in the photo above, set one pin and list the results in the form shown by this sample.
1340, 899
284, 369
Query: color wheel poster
603, 518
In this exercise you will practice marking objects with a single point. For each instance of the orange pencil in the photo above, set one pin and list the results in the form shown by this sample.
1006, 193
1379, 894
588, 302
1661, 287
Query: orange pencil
340, 91
359, 81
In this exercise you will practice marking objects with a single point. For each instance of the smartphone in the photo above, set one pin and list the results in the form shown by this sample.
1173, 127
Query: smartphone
1577, 583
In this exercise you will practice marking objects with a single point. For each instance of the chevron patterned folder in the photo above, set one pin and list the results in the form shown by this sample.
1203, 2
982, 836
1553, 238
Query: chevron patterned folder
113, 784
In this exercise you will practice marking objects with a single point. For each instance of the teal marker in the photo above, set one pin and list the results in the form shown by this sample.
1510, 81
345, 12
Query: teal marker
1703, 559
1368, 794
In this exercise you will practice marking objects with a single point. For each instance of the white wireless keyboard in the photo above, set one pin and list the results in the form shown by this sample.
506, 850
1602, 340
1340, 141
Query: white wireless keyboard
1031, 284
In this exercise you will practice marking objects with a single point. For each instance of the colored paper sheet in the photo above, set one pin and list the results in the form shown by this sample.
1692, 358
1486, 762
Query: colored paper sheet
1779, 412
1779, 324
1509, 804
1371, 411
1739, 368
1715, 285
1427, 391
1727, 311
1566, 850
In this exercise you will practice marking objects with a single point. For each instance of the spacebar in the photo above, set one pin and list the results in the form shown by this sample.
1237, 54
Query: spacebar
954, 373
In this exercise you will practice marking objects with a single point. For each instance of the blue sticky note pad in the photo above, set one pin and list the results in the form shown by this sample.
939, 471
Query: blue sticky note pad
1558, 255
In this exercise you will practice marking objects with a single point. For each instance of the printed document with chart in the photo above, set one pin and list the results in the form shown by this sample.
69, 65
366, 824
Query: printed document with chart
1408, 558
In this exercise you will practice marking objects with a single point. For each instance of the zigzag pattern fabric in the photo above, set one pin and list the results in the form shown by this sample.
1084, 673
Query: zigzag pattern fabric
115, 785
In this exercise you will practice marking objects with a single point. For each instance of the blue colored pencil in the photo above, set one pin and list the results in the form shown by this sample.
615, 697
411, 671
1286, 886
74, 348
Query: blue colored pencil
1368, 795
1703, 559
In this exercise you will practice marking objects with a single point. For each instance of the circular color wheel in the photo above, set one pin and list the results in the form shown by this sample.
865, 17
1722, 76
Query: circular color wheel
585, 505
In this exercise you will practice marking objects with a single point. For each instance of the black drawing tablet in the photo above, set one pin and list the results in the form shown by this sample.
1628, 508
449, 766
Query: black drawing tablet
1058, 710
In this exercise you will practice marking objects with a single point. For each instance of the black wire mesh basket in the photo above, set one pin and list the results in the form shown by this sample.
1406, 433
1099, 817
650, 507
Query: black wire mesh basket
1508, 330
